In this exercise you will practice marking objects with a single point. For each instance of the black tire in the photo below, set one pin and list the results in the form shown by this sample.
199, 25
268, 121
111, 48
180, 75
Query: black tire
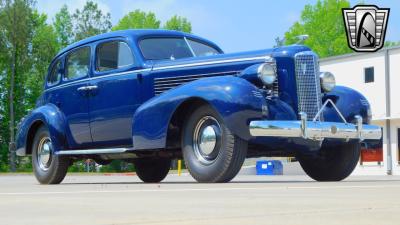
332, 163
227, 155
152, 170
55, 170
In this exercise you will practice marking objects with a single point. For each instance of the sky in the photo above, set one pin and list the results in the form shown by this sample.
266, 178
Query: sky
235, 25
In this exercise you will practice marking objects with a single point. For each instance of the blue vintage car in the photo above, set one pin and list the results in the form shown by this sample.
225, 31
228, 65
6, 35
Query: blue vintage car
149, 96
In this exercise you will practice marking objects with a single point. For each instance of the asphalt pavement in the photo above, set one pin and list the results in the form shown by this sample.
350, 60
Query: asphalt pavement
248, 199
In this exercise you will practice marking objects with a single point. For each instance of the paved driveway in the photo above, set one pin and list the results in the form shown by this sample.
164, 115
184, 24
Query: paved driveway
124, 200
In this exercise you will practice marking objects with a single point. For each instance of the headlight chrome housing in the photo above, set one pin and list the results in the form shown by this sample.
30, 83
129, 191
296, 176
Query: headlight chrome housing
328, 81
267, 73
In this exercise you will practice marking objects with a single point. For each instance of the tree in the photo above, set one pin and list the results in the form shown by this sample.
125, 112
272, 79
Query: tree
16, 29
45, 46
323, 22
138, 20
392, 43
63, 27
178, 23
90, 21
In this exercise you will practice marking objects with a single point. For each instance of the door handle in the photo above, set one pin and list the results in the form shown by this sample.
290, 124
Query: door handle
91, 87
87, 88
84, 88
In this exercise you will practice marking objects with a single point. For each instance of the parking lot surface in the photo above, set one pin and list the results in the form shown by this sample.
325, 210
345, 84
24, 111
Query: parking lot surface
248, 199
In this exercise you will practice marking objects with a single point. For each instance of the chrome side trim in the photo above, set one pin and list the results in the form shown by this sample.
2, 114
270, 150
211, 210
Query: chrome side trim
265, 58
98, 77
190, 77
315, 130
93, 151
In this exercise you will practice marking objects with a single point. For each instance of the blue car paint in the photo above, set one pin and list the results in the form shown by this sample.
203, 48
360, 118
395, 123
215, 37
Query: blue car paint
350, 103
151, 114
232, 97
110, 120
51, 117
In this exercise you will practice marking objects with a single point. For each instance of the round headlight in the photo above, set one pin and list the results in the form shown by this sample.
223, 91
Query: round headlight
327, 81
267, 73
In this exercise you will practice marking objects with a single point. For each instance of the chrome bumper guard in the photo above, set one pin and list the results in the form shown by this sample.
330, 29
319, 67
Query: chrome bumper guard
314, 129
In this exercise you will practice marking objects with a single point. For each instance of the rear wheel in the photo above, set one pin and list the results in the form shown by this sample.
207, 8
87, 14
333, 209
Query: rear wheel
152, 170
332, 163
212, 153
48, 168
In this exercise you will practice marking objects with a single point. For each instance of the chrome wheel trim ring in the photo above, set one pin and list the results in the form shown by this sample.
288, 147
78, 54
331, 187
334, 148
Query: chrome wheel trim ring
44, 155
207, 139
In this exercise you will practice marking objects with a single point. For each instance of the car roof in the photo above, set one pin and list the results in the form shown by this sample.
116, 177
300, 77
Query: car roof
135, 33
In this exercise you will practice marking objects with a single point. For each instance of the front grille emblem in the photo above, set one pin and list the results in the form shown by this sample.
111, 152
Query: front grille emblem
303, 68
365, 27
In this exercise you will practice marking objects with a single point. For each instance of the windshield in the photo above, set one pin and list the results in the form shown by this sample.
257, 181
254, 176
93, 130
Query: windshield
173, 48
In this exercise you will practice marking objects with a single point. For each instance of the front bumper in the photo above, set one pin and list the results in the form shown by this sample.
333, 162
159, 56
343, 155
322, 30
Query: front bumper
315, 130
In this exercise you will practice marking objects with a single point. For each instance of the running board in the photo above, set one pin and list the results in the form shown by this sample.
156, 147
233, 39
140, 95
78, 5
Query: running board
94, 151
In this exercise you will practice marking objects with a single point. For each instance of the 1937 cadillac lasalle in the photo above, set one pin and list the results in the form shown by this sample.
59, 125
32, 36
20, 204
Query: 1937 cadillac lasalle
149, 96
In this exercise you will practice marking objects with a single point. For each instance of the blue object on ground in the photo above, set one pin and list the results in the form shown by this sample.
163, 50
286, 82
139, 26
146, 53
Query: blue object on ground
269, 167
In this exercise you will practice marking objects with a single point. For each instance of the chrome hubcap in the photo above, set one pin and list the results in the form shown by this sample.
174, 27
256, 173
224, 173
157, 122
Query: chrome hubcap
206, 139
44, 153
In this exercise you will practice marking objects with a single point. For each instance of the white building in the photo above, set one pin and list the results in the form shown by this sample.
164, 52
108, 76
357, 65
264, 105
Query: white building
377, 76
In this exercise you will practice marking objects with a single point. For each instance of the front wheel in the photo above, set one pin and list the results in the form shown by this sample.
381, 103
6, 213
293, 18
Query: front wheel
212, 153
48, 168
332, 163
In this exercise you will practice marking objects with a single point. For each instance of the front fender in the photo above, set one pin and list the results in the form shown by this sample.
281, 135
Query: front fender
235, 99
349, 102
51, 117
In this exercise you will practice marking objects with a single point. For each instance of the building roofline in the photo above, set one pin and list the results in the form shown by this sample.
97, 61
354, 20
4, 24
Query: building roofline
327, 59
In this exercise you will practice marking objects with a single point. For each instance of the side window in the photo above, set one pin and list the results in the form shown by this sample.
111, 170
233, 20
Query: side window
113, 55
55, 74
78, 63
201, 49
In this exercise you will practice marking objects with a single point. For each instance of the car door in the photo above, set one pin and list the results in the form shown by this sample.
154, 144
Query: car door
116, 97
72, 97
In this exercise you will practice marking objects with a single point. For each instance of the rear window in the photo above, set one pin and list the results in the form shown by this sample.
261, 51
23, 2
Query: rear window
113, 55
165, 48
78, 63
55, 74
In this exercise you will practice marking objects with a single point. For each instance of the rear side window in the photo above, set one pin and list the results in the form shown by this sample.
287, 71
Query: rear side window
78, 63
201, 49
113, 55
165, 48
55, 74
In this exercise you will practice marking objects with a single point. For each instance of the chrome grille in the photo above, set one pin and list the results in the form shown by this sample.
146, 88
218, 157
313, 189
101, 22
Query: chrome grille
275, 88
308, 83
163, 84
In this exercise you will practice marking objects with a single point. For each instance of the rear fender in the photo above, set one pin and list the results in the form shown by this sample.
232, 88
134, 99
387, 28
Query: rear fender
235, 99
47, 115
